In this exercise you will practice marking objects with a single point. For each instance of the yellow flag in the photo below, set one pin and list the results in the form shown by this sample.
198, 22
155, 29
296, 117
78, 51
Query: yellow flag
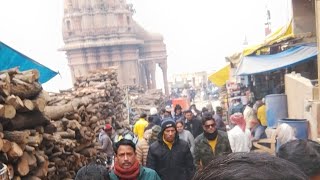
220, 77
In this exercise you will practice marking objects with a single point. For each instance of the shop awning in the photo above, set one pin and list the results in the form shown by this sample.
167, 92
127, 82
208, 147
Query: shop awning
10, 58
220, 77
267, 63
281, 34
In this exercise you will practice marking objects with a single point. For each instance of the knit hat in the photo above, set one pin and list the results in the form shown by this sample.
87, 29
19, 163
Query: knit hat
166, 123
155, 130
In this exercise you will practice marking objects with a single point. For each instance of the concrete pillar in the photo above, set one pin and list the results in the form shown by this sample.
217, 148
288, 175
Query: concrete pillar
152, 71
147, 75
163, 66
315, 121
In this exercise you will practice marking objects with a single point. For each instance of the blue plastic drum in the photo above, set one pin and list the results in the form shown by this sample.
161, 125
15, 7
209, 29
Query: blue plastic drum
276, 108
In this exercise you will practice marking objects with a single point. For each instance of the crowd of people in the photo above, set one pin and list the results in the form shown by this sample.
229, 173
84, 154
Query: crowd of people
193, 144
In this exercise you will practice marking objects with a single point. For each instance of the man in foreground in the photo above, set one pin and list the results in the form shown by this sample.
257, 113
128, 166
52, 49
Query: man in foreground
210, 143
126, 164
170, 157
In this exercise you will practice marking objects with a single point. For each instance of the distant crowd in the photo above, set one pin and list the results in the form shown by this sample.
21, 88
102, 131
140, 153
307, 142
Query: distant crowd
193, 144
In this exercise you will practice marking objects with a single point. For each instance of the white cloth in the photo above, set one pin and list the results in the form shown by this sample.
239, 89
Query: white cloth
248, 115
285, 133
239, 141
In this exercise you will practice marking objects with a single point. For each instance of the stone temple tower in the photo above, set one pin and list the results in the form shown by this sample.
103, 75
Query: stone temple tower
101, 33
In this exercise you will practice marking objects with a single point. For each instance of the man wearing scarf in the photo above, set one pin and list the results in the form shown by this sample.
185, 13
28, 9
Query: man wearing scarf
127, 166
239, 136
210, 143
169, 156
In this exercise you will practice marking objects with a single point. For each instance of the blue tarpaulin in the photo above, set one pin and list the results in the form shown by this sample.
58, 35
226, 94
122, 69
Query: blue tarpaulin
267, 63
10, 58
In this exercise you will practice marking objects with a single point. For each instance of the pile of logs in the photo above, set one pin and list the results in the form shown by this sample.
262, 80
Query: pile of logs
77, 117
46, 136
143, 102
22, 124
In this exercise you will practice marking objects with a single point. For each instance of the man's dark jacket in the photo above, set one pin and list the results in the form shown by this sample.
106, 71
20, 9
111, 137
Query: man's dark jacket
156, 119
203, 153
174, 164
194, 126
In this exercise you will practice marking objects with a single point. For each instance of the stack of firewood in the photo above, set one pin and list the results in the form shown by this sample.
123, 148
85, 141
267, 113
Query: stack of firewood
142, 102
52, 137
22, 123
77, 117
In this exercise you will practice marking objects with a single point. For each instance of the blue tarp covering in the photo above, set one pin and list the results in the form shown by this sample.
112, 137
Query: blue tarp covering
267, 63
10, 58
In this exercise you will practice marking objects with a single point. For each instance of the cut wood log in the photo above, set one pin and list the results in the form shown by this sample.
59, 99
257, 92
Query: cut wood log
5, 77
26, 120
10, 171
19, 104
31, 159
16, 178
40, 157
1, 144
87, 133
35, 139
5, 84
9, 112
1, 110
69, 134
15, 151
29, 149
50, 137
15, 101
42, 170
83, 145
39, 104
25, 90
23, 165
20, 137
50, 129
52, 169
11, 100
73, 124
39, 129
27, 77
44, 95
27, 106
6, 146
11, 71
35, 73
57, 112
89, 152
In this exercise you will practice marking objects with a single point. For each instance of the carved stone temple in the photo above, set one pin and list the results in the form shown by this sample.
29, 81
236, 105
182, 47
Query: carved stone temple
102, 33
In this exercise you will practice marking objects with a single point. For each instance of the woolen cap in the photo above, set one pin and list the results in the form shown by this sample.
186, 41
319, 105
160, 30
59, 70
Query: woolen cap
166, 123
155, 130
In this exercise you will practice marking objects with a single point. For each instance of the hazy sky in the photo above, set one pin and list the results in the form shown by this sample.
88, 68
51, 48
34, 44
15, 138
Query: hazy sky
198, 34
